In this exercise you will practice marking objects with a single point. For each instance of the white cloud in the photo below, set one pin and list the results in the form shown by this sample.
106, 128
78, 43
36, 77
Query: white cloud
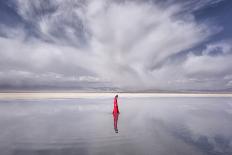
128, 43
205, 64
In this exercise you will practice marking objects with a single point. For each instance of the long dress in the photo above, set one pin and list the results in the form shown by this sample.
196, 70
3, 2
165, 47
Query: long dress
115, 106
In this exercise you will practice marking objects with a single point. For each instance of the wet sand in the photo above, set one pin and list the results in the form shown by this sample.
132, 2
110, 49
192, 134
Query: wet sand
146, 125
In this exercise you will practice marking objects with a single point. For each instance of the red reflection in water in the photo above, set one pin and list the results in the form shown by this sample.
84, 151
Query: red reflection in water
116, 115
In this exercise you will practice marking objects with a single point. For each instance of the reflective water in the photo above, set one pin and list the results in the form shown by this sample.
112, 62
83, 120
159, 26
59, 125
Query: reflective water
161, 126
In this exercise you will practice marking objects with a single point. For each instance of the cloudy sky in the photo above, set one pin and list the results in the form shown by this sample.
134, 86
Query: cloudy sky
116, 45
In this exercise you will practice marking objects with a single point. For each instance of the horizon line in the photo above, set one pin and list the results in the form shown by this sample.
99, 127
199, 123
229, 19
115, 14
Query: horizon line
89, 95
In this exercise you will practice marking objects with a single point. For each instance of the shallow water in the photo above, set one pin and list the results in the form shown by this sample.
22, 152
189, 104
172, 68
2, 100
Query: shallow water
151, 125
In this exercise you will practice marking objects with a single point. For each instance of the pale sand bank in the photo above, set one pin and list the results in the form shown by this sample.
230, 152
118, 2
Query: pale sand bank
59, 95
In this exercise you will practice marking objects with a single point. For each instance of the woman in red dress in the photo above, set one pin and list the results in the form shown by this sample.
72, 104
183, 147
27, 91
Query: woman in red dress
116, 111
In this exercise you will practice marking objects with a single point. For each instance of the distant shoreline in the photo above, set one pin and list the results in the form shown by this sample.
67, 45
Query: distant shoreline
115, 91
76, 95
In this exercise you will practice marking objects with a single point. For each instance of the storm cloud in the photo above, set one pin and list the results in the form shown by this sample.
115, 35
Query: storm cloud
127, 45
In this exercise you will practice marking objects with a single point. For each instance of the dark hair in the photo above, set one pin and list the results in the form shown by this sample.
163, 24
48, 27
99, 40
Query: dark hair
116, 96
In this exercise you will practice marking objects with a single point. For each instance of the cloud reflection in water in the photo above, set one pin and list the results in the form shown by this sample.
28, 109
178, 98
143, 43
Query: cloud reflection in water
176, 126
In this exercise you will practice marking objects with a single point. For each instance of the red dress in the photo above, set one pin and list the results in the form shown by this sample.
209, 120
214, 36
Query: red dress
115, 106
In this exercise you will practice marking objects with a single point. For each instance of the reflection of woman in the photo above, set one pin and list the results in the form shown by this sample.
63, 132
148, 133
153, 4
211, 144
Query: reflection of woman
115, 115
116, 111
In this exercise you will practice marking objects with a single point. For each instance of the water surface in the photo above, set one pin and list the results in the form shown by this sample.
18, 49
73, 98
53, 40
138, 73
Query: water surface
149, 125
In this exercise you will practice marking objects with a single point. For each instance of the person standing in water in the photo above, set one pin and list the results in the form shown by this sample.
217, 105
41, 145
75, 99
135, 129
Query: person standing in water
116, 111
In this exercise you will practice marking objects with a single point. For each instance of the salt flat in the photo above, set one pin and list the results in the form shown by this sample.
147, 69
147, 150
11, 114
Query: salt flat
69, 95
150, 125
